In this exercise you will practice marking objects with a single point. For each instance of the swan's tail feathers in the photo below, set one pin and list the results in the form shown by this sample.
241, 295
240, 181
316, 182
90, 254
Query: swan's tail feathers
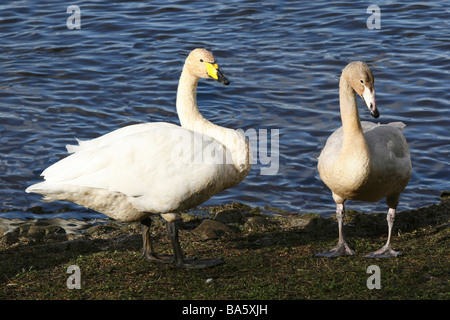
73, 148
35, 188
399, 125
49, 191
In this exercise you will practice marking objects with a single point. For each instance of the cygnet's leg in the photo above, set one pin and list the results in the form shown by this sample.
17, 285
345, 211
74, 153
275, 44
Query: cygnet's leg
342, 248
147, 247
178, 257
386, 251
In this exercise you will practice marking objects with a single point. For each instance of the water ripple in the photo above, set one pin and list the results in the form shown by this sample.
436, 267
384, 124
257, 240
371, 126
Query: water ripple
283, 59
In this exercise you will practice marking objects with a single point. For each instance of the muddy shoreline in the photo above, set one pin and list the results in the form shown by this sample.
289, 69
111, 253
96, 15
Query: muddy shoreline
262, 255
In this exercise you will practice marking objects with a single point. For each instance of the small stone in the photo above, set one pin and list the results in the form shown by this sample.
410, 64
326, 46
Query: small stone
9, 238
54, 230
445, 195
80, 245
125, 241
55, 233
210, 229
299, 222
99, 230
132, 227
265, 241
257, 223
36, 232
23, 229
229, 216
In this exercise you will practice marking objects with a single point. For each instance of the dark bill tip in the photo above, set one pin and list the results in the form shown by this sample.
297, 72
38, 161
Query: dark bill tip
375, 113
221, 78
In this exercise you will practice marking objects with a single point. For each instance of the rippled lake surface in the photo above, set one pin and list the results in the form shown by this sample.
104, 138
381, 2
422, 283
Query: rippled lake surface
283, 59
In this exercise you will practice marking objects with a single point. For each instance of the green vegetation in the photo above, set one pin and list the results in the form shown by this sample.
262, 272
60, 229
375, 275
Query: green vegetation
266, 257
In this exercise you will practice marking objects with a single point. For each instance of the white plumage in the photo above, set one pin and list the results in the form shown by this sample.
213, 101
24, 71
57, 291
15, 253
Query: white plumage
154, 168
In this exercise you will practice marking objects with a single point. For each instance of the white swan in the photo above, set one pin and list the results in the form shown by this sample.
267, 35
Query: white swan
155, 168
363, 161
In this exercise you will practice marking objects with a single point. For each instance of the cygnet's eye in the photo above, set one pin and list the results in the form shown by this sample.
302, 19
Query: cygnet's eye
362, 81
201, 60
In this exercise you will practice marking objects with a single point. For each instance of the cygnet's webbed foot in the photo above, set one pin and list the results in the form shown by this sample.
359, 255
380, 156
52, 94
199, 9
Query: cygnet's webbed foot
341, 249
385, 252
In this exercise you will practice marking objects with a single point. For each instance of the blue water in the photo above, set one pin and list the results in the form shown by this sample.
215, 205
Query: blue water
283, 59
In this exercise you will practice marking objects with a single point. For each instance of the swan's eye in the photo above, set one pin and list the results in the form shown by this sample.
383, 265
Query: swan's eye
361, 81
201, 60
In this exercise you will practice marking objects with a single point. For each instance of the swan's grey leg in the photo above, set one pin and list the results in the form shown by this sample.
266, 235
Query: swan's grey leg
178, 257
147, 247
172, 230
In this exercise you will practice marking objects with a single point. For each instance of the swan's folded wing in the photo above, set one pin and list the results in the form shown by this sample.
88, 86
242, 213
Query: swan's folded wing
390, 151
158, 166
399, 125
116, 135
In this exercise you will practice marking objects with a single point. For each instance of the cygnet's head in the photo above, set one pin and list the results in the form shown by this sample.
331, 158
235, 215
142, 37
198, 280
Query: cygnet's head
361, 79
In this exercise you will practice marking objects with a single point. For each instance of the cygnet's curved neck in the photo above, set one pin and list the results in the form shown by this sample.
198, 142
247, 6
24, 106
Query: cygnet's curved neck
353, 139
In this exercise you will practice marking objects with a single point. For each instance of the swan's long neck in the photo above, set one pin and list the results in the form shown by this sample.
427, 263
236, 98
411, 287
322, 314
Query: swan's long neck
191, 119
188, 113
187, 109
354, 144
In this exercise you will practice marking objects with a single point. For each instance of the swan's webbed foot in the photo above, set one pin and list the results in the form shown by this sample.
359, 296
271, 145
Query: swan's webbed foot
193, 263
341, 249
187, 263
148, 253
385, 252
178, 257
156, 258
